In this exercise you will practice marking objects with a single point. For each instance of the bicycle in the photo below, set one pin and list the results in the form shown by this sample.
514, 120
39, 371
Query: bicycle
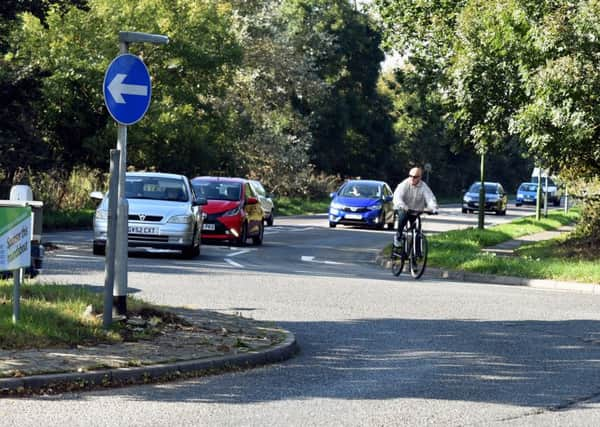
413, 247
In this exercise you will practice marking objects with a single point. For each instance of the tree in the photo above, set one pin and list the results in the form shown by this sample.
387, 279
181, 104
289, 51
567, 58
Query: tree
182, 129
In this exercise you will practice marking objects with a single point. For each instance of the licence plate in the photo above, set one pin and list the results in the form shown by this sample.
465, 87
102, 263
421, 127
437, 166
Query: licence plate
354, 216
208, 227
142, 229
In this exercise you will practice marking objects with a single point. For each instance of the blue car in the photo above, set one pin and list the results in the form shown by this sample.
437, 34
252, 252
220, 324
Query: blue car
526, 193
362, 202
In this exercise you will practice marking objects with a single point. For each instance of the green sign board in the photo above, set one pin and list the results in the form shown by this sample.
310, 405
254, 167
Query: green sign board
15, 237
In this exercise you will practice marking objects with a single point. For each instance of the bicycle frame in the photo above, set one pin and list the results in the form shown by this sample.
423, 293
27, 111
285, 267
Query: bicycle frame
414, 248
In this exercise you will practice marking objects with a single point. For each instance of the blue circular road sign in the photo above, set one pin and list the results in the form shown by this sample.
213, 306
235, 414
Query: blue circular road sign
127, 89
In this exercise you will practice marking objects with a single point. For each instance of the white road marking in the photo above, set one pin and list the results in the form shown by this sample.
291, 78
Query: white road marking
232, 262
312, 259
240, 252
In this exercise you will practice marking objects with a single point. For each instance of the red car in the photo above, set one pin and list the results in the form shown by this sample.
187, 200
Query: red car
232, 212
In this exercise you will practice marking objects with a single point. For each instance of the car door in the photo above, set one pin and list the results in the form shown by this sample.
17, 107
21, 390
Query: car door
254, 212
388, 204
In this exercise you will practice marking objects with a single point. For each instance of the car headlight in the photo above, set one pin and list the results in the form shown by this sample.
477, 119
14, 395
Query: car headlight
335, 205
468, 199
375, 207
232, 212
520, 195
181, 219
101, 214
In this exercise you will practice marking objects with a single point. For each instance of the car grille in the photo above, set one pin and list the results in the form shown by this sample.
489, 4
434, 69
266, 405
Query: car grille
213, 217
147, 238
148, 218
355, 210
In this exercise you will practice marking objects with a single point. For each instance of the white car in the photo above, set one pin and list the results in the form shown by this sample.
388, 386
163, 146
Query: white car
164, 213
265, 200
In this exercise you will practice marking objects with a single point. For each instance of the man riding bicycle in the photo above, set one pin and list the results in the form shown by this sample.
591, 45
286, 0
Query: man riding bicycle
412, 194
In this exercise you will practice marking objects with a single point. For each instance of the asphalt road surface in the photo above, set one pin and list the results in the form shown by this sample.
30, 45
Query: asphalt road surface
375, 350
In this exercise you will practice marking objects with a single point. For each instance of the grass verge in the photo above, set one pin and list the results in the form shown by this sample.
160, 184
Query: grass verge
53, 316
563, 258
299, 206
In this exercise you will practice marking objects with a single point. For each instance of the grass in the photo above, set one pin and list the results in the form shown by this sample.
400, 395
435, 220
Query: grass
285, 206
52, 316
559, 259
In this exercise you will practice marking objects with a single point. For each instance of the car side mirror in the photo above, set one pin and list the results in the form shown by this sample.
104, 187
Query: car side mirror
97, 195
251, 200
200, 201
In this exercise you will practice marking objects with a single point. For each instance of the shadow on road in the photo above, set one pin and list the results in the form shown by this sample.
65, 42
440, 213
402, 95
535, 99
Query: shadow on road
522, 363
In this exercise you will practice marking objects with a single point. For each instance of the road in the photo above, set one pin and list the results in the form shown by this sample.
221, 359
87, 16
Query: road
375, 350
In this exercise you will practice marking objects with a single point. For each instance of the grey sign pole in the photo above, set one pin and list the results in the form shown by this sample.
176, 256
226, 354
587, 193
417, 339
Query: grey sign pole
18, 279
121, 247
109, 267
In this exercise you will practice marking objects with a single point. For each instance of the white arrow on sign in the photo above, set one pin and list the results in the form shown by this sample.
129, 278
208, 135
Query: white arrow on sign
117, 88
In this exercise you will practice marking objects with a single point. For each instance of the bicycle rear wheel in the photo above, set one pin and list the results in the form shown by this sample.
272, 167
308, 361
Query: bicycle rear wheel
397, 261
418, 257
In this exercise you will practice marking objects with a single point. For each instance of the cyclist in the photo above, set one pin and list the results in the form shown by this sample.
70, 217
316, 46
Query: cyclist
412, 194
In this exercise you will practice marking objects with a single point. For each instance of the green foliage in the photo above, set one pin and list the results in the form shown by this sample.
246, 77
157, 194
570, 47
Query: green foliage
182, 128
301, 205
68, 219
67, 191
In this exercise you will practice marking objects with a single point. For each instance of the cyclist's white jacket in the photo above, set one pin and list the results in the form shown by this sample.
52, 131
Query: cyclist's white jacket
415, 197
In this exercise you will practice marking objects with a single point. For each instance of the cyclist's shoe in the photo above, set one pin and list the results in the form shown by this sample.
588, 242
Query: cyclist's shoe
397, 242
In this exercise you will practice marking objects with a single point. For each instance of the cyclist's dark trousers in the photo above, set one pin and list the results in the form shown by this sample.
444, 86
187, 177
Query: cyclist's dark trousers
403, 218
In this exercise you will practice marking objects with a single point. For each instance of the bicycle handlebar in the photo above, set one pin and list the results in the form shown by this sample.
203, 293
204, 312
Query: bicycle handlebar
418, 212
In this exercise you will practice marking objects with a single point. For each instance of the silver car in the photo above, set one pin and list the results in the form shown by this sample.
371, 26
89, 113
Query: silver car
265, 200
164, 213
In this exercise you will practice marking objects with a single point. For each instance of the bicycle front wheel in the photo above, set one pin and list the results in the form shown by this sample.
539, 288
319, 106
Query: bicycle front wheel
418, 256
397, 261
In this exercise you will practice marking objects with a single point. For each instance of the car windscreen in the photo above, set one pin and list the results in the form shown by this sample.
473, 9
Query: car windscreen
353, 189
528, 187
218, 190
489, 188
141, 187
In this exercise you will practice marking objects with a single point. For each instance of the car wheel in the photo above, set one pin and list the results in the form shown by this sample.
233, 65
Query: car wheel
381, 222
332, 224
99, 249
464, 210
193, 250
258, 239
270, 219
518, 204
241, 240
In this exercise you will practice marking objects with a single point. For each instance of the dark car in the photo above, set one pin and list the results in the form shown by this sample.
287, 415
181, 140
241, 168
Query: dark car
496, 198
232, 213
362, 202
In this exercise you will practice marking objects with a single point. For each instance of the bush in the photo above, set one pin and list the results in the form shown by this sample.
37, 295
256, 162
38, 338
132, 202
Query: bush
63, 191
